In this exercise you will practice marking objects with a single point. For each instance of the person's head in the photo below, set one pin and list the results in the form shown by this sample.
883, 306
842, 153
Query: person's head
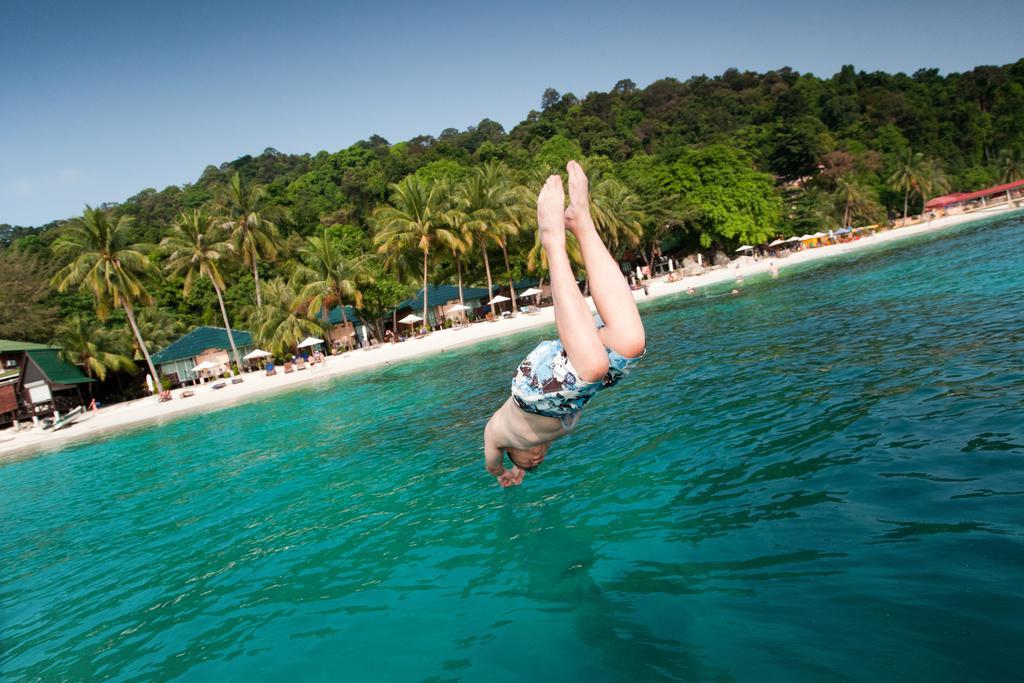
528, 458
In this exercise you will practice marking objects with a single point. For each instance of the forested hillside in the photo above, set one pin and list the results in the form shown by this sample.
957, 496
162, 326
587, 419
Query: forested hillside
678, 166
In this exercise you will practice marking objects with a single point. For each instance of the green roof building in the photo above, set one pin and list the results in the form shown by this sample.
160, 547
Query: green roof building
203, 344
36, 381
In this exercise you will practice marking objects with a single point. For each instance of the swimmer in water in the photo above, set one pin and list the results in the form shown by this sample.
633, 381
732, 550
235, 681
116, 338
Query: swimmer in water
553, 383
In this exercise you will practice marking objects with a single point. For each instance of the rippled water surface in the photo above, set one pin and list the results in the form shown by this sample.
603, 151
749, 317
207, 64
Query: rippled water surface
820, 479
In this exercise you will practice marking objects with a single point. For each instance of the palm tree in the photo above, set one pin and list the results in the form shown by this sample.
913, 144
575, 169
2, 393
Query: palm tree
617, 214
330, 277
456, 220
195, 247
855, 199
485, 198
1011, 165
414, 219
245, 214
103, 264
89, 344
157, 327
933, 181
282, 321
909, 177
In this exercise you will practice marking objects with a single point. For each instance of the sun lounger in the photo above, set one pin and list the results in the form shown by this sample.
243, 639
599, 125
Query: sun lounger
187, 393
237, 380
288, 367
300, 364
220, 385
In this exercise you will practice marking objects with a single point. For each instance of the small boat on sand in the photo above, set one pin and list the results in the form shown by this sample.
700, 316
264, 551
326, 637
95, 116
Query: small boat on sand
65, 420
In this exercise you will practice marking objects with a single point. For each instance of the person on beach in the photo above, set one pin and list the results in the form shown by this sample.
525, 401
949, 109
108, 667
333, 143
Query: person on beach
555, 381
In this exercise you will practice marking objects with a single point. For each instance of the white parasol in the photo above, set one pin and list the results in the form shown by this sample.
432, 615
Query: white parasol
530, 292
455, 308
310, 341
410, 319
258, 353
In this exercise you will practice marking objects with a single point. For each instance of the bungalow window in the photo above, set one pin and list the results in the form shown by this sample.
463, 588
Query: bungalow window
10, 363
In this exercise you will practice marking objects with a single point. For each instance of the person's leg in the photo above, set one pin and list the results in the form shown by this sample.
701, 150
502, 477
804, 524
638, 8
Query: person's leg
623, 331
575, 324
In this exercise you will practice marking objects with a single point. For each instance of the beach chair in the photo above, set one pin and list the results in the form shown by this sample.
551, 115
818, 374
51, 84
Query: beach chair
219, 385
237, 380
300, 364
271, 370
288, 367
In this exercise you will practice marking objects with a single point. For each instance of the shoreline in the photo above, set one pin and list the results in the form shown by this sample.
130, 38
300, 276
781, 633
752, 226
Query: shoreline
147, 411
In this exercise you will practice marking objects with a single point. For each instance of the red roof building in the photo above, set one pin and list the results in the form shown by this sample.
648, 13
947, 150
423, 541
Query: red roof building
960, 197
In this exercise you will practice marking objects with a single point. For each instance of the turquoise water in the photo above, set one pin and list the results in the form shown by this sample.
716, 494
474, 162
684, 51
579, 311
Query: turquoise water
820, 479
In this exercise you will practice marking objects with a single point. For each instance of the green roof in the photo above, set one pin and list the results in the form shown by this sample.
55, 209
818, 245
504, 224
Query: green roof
8, 345
334, 316
56, 370
199, 340
439, 295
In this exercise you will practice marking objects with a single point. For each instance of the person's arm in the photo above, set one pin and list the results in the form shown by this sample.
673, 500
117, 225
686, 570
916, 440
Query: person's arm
494, 461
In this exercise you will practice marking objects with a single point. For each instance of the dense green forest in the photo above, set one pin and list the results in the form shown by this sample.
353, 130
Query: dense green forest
677, 167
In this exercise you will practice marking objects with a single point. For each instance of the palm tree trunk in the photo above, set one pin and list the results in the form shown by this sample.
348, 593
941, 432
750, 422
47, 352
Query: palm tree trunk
458, 267
256, 279
142, 345
227, 326
906, 206
344, 322
426, 319
487, 267
508, 274
326, 315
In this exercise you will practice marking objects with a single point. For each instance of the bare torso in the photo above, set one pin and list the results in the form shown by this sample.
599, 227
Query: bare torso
513, 427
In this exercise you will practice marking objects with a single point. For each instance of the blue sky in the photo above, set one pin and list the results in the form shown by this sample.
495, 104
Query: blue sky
99, 100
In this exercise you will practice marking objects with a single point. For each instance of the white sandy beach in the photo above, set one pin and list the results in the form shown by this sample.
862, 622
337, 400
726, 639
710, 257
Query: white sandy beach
16, 444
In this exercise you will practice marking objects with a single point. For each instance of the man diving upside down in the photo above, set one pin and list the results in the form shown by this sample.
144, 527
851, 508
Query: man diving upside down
559, 377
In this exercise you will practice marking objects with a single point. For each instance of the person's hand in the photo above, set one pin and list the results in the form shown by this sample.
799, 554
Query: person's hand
512, 477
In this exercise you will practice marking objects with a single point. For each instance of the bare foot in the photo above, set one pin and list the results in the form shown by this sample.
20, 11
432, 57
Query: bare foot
577, 216
550, 213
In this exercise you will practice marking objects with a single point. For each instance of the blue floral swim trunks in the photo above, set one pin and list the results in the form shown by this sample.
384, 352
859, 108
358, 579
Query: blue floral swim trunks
546, 383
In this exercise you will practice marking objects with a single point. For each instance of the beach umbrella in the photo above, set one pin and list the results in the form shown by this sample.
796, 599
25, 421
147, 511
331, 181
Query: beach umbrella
777, 243
795, 239
498, 298
530, 292
455, 308
411, 319
745, 247
257, 354
205, 365
310, 341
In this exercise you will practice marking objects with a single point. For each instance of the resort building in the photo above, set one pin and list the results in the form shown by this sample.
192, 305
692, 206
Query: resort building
439, 299
958, 202
35, 382
354, 328
203, 344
